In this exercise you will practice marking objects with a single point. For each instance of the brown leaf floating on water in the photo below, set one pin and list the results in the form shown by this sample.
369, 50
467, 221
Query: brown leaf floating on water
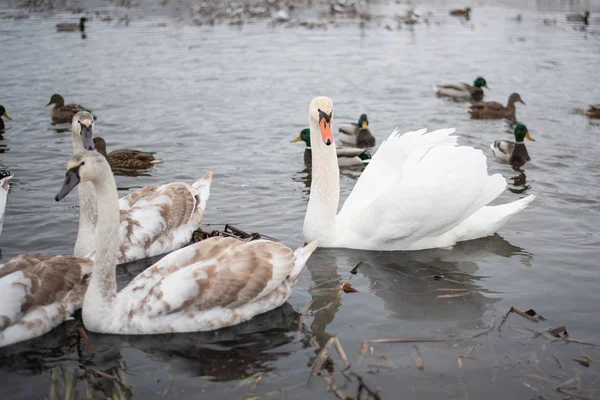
585, 361
560, 332
532, 313
347, 288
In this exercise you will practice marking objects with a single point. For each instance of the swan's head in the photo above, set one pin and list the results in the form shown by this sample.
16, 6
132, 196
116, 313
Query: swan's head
3, 113
82, 126
83, 167
521, 133
480, 82
321, 113
5, 176
56, 99
304, 136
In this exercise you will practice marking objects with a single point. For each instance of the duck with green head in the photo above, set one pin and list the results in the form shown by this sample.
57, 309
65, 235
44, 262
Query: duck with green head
463, 91
347, 157
493, 110
357, 135
513, 153
63, 113
72, 27
5, 115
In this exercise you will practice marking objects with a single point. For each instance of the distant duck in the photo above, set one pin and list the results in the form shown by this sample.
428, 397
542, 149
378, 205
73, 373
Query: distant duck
466, 12
513, 153
579, 17
347, 157
131, 159
5, 176
72, 27
63, 113
357, 135
463, 91
5, 115
594, 111
493, 110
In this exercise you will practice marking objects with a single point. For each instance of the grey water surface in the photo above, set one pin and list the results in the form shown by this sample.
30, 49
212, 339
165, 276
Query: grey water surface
230, 99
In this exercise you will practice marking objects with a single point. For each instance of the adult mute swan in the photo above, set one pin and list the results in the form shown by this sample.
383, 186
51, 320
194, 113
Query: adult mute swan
419, 191
154, 220
212, 284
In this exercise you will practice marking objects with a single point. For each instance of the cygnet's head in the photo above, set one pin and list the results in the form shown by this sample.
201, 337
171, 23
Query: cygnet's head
83, 167
82, 126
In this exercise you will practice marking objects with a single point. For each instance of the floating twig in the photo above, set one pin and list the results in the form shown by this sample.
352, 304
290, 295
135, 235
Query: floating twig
487, 329
341, 352
516, 310
87, 341
320, 359
302, 315
419, 358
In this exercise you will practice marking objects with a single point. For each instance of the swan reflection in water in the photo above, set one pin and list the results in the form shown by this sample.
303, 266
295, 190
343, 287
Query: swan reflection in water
405, 286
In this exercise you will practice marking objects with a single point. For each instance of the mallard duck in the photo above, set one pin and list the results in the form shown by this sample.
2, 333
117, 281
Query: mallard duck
594, 111
463, 91
405, 199
5, 115
347, 157
131, 159
5, 176
154, 219
579, 17
357, 135
62, 113
513, 153
72, 27
493, 110
461, 12
39, 292
208, 285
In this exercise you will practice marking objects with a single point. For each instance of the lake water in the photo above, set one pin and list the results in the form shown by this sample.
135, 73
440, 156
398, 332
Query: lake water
230, 99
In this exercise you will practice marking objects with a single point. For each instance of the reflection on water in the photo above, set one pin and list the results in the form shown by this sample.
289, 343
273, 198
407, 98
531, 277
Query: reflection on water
519, 183
432, 286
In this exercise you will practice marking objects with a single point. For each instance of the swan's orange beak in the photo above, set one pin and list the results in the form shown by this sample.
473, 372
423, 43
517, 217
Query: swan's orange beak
326, 133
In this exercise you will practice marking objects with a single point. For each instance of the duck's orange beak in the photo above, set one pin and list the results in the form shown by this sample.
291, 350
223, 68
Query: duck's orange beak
326, 133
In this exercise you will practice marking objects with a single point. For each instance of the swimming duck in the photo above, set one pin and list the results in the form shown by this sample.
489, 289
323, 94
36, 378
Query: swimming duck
208, 285
513, 153
347, 157
594, 111
579, 17
154, 219
5, 176
463, 91
130, 159
493, 110
62, 113
466, 12
357, 135
405, 199
5, 115
72, 27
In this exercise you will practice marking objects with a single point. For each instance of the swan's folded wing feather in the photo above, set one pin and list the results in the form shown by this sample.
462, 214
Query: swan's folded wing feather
442, 185
150, 213
217, 272
385, 169
33, 280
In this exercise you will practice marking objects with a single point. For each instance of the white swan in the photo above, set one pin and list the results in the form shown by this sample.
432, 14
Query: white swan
5, 176
154, 220
419, 191
212, 284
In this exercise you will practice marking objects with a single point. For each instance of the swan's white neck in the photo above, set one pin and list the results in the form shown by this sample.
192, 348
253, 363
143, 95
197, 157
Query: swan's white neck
88, 212
102, 290
320, 219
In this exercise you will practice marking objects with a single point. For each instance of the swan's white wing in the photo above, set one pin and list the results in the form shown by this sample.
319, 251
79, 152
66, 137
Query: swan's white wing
385, 169
38, 293
217, 272
421, 188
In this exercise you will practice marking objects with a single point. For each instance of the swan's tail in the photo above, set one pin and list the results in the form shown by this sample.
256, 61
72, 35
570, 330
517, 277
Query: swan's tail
202, 190
489, 219
302, 255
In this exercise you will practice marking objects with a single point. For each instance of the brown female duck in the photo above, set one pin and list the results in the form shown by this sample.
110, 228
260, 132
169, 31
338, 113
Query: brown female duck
130, 159
63, 113
5, 115
593, 112
493, 110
